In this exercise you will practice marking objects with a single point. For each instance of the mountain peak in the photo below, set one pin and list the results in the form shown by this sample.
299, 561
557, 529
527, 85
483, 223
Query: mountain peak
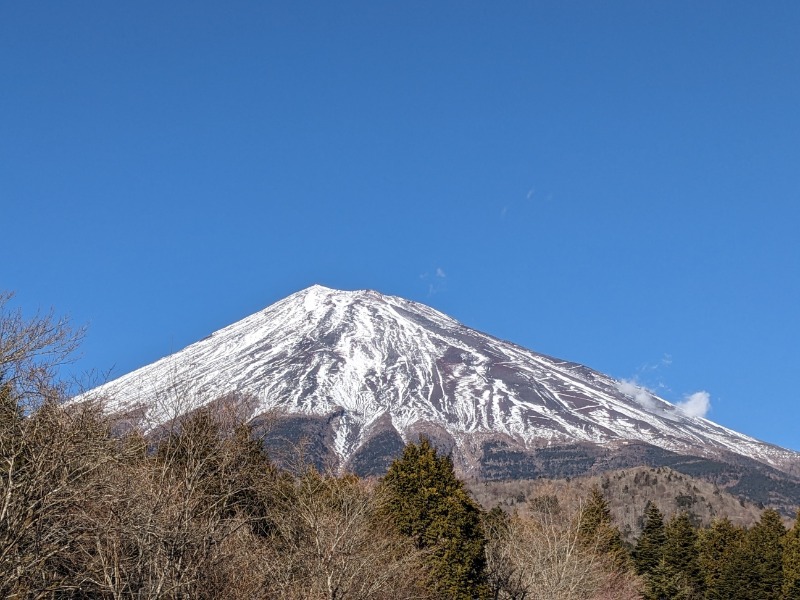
367, 364
317, 294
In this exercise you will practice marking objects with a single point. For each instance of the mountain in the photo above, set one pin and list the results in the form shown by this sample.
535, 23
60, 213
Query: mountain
357, 373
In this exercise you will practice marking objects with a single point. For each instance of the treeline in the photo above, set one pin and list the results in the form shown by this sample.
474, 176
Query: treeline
719, 562
203, 513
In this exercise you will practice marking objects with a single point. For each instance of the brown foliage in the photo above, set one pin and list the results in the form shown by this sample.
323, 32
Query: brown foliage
544, 555
331, 542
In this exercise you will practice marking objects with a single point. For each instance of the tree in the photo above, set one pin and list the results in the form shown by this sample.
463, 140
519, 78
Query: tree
718, 546
172, 523
31, 350
429, 504
752, 566
546, 555
650, 545
764, 551
737, 574
51, 458
597, 529
505, 579
791, 561
329, 542
680, 559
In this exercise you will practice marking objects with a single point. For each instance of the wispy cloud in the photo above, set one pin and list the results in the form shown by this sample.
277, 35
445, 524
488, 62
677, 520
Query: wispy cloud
642, 397
651, 375
518, 205
695, 405
436, 281
664, 361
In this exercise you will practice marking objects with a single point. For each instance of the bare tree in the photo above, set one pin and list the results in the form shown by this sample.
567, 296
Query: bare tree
178, 521
544, 555
330, 544
50, 457
31, 349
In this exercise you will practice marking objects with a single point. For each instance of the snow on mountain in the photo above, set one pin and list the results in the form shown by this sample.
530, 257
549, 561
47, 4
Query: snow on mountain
369, 362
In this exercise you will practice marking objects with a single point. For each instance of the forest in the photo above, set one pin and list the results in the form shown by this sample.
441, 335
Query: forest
93, 508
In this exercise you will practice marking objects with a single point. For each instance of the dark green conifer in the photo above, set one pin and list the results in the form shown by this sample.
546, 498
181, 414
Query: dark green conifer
791, 562
595, 514
650, 545
737, 575
681, 555
597, 529
764, 554
718, 545
429, 504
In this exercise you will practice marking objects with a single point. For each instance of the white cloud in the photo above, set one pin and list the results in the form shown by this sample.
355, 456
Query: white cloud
436, 282
695, 405
638, 393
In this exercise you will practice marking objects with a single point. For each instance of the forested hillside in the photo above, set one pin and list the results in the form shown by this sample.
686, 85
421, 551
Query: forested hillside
627, 492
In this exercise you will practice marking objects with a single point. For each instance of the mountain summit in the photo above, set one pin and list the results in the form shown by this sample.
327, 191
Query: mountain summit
358, 373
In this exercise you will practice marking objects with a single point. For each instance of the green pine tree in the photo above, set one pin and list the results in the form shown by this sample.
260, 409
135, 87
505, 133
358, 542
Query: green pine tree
681, 554
791, 562
764, 553
429, 504
650, 545
664, 583
597, 529
737, 574
718, 545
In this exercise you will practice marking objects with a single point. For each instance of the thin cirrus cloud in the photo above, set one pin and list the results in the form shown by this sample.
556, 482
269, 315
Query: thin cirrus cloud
436, 281
505, 209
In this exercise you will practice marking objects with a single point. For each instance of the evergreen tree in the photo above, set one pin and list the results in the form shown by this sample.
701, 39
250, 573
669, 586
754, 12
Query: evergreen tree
664, 583
429, 504
764, 542
737, 575
718, 545
791, 562
597, 529
681, 555
650, 545
596, 513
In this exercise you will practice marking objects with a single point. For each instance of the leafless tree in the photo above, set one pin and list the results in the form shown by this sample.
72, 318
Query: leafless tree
31, 349
330, 544
50, 457
543, 555
177, 521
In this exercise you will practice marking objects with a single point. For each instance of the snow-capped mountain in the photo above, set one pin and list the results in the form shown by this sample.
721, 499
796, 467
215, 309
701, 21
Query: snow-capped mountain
370, 371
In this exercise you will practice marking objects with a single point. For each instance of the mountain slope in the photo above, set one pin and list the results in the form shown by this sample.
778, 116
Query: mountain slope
365, 372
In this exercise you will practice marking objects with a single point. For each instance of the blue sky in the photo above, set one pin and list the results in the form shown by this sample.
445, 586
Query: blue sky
612, 183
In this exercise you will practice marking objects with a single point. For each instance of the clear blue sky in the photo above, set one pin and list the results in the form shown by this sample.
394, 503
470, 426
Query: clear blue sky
614, 183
